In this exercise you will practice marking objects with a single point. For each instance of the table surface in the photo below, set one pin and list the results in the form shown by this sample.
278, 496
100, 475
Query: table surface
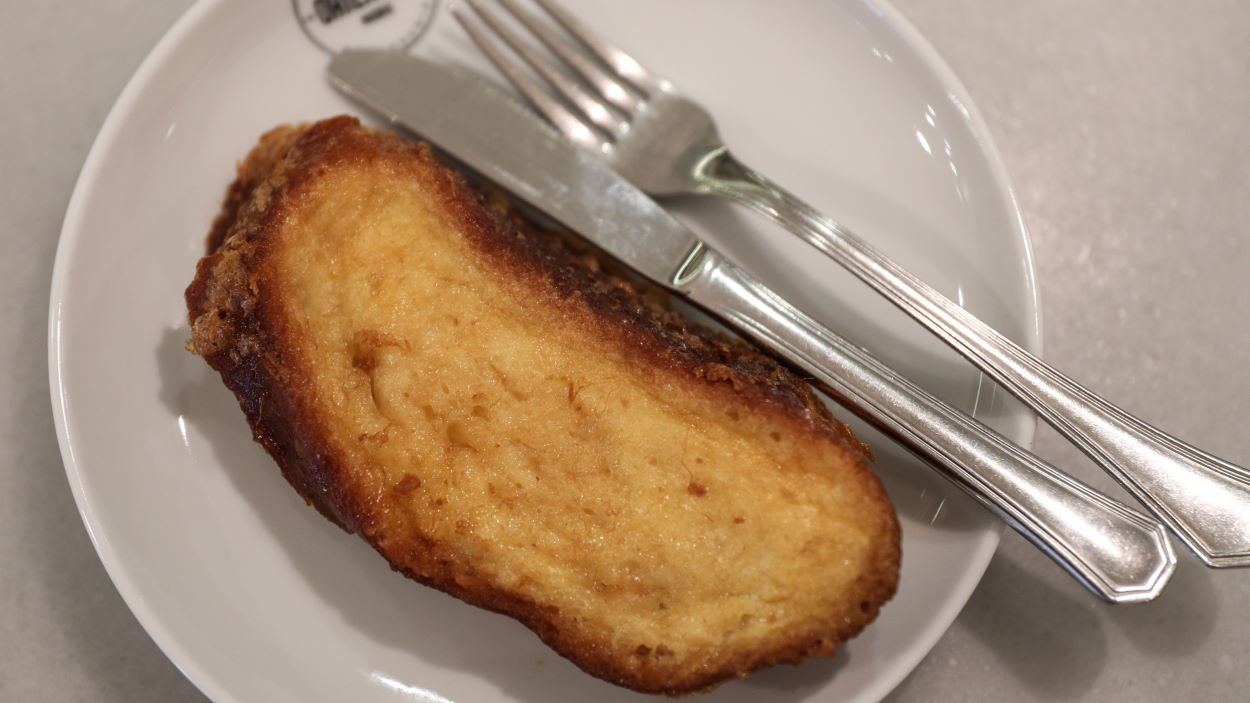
1123, 124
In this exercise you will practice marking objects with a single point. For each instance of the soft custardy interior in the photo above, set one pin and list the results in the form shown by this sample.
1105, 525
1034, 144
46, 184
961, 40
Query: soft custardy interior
494, 419
504, 421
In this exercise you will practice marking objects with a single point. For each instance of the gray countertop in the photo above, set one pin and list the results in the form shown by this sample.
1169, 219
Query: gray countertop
1123, 124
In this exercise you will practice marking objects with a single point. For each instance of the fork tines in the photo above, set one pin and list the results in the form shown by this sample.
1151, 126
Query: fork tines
606, 87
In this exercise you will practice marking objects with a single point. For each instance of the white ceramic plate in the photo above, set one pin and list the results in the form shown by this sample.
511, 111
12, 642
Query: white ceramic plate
257, 598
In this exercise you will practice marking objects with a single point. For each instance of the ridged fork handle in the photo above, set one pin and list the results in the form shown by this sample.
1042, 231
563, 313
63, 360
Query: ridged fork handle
1204, 499
1118, 553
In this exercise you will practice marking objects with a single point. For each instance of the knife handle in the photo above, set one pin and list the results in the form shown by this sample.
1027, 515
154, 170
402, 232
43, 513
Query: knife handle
1203, 498
1118, 553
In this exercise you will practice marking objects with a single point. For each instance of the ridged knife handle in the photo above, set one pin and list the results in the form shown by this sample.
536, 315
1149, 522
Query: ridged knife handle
1203, 498
1118, 553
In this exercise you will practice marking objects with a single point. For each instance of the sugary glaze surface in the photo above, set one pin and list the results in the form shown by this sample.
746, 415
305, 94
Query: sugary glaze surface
504, 421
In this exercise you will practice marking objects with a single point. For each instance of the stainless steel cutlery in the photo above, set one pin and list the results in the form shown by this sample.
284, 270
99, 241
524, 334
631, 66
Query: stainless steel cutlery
1119, 553
639, 124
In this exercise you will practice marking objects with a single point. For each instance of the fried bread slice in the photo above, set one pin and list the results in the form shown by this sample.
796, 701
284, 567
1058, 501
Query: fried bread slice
504, 420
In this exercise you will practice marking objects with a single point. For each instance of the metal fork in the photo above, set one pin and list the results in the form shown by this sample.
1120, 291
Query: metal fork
666, 144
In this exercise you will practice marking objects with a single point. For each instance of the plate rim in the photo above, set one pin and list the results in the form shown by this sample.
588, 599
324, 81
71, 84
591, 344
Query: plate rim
71, 230
1032, 332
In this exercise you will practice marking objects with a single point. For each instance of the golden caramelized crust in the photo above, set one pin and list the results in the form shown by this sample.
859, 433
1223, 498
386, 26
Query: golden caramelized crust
503, 420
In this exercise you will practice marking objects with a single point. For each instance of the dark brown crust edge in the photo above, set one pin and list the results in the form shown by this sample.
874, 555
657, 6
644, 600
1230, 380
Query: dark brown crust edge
246, 345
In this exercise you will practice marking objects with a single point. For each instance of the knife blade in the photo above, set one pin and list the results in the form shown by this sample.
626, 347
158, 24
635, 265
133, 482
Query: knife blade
1118, 553
538, 165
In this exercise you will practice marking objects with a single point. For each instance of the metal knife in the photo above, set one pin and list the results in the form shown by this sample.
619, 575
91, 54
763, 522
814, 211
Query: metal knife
1118, 553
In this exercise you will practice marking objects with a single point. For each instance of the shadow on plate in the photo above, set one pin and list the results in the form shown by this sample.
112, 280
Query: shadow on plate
357, 586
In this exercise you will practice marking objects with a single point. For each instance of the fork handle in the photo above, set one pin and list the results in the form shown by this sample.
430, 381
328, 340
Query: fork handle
1118, 553
1204, 499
